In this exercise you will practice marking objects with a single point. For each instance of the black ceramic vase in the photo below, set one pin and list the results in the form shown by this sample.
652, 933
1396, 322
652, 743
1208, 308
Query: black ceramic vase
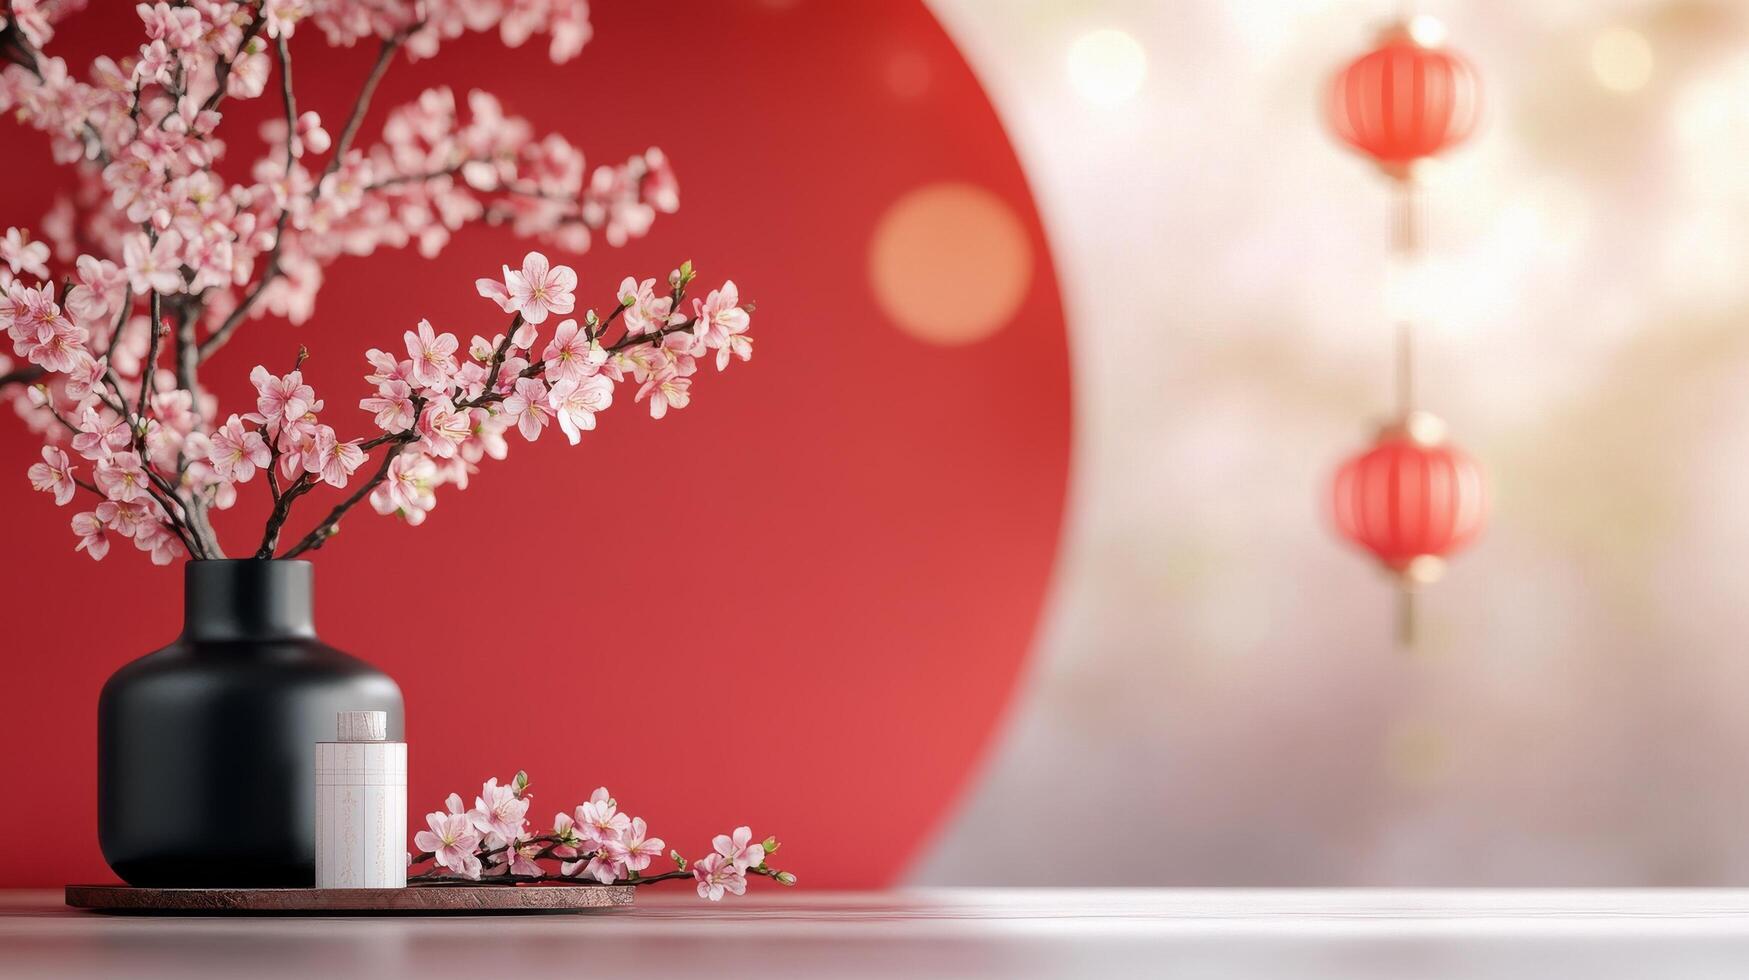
206, 748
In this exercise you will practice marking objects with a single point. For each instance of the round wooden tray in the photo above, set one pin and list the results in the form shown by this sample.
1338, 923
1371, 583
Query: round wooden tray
446, 899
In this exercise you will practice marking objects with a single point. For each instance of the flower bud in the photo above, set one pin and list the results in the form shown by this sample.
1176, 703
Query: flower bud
520, 783
679, 861
771, 845
785, 878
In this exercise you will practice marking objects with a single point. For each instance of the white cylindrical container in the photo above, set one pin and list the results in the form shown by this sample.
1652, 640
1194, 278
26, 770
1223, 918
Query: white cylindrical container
361, 805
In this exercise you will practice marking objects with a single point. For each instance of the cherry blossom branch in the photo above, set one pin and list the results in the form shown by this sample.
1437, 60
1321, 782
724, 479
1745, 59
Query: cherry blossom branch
144, 148
290, 101
331, 524
499, 352
150, 367
26, 55
271, 270
222, 68
159, 488
596, 845
187, 354
424, 856
385, 54
30, 374
282, 510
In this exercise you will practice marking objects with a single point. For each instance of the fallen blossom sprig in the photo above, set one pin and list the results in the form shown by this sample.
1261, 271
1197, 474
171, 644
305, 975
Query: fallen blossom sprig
493, 843
155, 261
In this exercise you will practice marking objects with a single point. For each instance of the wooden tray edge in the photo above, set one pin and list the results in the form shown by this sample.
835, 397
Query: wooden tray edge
423, 900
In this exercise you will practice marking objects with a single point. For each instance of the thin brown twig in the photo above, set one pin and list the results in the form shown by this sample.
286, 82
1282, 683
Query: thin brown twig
362, 104
222, 70
330, 524
150, 367
271, 269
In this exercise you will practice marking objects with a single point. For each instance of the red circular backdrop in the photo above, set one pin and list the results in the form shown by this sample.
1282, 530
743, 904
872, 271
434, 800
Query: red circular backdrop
801, 603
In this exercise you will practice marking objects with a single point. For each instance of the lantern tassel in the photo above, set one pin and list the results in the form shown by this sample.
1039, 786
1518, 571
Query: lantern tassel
1405, 617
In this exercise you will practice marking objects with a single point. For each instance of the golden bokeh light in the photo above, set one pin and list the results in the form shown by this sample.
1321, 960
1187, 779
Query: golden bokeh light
950, 263
1429, 32
1622, 60
1107, 66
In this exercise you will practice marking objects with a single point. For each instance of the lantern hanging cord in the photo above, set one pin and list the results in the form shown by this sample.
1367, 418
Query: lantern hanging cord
1406, 248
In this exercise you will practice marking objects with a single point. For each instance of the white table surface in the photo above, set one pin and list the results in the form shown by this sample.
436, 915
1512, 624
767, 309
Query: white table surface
1192, 933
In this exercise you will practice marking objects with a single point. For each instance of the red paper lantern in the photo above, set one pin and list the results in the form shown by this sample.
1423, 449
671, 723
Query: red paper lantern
1411, 499
1403, 101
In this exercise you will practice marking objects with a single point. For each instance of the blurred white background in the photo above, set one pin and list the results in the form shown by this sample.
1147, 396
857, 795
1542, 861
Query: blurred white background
1217, 697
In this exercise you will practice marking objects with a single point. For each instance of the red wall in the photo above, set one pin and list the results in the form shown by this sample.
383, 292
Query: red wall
800, 603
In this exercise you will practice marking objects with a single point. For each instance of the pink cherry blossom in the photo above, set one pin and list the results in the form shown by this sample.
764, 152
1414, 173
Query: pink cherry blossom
86, 376
281, 398
442, 428
28, 313
100, 435
480, 349
565, 830
599, 820
451, 841
179, 27
433, 357
530, 407
576, 402
740, 848
604, 867
645, 311
334, 461
93, 535
385, 367
722, 324
61, 349
667, 389
23, 255
636, 847
157, 538
496, 291
508, 374
571, 355
522, 859
498, 810
718, 875
153, 267
393, 405
53, 475
122, 478
99, 289
296, 444
536, 291
127, 519
236, 452
470, 380
407, 490
311, 135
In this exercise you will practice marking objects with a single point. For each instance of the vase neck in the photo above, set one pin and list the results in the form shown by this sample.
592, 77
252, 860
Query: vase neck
247, 599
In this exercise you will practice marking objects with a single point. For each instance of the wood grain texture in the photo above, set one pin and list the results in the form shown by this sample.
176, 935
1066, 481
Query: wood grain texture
950, 934
435, 899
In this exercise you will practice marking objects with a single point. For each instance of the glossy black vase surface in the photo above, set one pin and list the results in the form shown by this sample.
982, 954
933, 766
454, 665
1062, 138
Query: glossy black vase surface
206, 748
